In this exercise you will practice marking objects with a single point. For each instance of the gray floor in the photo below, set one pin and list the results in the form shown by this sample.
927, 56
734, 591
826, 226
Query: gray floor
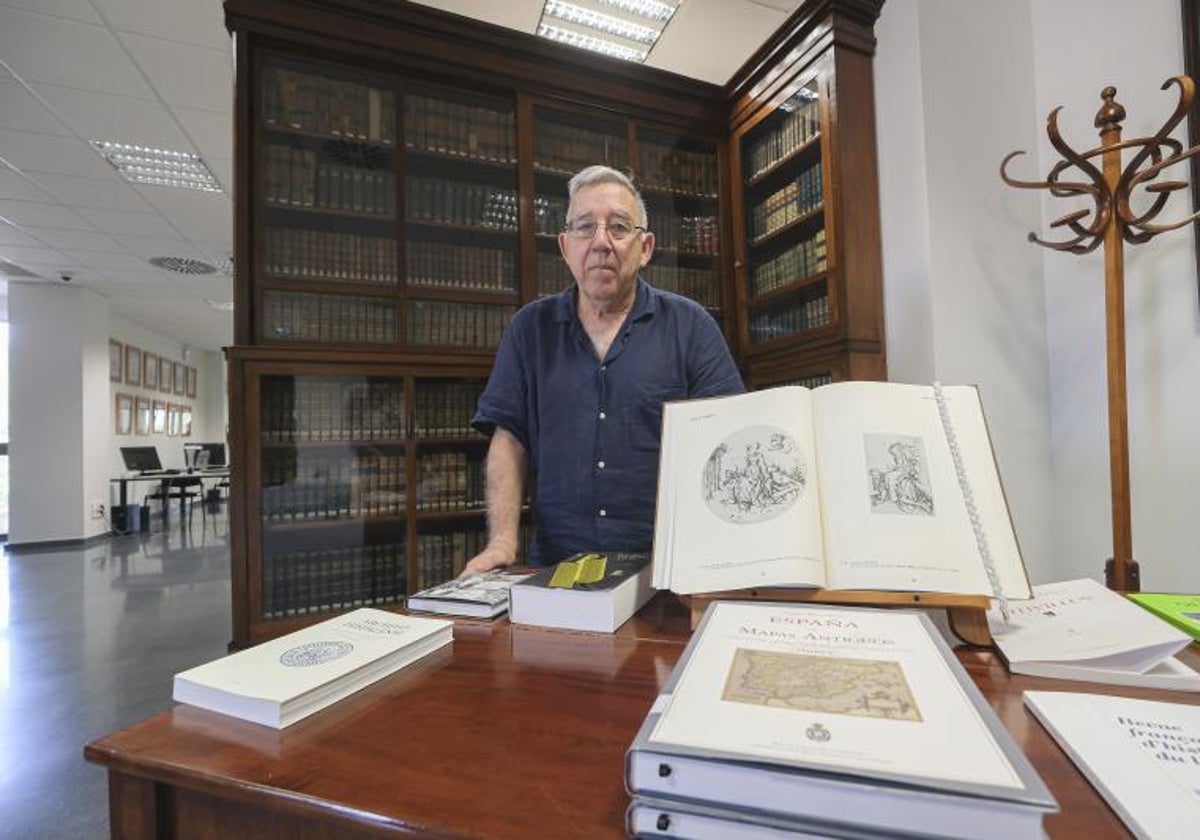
89, 641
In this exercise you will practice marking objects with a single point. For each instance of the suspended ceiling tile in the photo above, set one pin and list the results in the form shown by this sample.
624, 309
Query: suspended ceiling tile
153, 246
21, 110
37, 214
211, 131
81, 10
65, 52
740, 27
199, 22
222, 170
60, 155
105, 260
12, 235
67, 239
94, 116
184, 75
119, 221
13, 184
26, 257
111, 193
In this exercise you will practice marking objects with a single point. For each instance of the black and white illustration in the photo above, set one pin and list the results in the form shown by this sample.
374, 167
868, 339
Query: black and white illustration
755, 474
899, 475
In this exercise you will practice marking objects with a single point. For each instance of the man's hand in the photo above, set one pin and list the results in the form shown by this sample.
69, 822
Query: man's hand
490, 558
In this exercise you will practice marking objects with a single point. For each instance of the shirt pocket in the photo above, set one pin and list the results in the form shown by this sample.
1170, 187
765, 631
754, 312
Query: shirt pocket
645, 415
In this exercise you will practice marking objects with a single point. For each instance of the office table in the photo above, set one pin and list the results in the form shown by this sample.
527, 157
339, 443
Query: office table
165, 480
512, 732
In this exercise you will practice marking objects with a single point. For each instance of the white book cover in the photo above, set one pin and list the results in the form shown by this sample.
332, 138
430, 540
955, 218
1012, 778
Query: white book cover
283, 680
1142, 756
850, 486
849, 716
1078, 629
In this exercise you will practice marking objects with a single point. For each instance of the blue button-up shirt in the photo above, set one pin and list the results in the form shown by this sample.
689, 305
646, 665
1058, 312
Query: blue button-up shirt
591, 427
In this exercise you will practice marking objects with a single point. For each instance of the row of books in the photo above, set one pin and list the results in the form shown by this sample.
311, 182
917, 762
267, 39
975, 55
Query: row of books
549, 215
783, 138
313, 408
567, 149
775, 323
460, 130
297, 177
803, 259
315, 104
554, 274
816, 380
308, 317
467, 326
441, 557
702, 285
471, 268
800, 197
450, 481
443, 408
694, 234
327, 579
460, 203
329, 256
332, 486
677, 170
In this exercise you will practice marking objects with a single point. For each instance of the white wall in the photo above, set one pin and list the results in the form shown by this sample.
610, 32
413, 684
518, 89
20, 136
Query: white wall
959, 83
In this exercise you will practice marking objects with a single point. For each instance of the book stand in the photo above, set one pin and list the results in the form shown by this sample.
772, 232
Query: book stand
967, 614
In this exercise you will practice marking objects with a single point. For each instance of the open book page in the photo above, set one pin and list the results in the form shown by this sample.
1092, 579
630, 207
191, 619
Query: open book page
894, 513
738, 493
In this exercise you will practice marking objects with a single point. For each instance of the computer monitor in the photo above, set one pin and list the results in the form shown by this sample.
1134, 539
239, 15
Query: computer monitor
204, 455
141, 458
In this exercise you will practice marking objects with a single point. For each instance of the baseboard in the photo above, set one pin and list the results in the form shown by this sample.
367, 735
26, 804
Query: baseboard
55, 545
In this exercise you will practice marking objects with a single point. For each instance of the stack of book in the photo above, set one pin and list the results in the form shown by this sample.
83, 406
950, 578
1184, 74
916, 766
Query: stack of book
590, 591
785, 720
287, 679
475, 596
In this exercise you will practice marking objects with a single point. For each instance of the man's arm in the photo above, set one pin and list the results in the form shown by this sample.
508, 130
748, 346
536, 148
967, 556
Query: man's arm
506, 464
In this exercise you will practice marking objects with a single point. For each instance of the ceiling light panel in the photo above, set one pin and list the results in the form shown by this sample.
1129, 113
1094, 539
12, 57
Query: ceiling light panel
607, 24
160, 167
647, 9
588, 42
625, 29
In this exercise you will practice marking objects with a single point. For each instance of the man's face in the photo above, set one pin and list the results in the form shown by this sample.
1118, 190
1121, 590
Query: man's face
605, 267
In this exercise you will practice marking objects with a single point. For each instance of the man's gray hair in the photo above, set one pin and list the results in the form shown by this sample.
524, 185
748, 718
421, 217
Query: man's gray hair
590, 176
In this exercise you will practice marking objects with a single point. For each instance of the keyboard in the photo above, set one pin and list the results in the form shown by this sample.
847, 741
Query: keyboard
159, 472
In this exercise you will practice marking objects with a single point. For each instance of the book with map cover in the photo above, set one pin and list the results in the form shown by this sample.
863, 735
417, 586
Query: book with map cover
854, 485
858, 718
1181, 610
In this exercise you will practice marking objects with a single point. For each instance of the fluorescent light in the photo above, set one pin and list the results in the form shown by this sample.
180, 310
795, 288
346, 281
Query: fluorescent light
607, 24
648, 9
587, 42
220, 306
163, 168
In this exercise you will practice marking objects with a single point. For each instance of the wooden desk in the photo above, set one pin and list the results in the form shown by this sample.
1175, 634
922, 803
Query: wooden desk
514, 732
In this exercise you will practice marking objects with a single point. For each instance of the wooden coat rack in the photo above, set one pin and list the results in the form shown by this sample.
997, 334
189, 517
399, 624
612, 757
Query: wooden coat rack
1111, 221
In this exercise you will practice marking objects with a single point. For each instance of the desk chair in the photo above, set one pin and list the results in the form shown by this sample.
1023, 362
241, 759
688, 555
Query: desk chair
185, 489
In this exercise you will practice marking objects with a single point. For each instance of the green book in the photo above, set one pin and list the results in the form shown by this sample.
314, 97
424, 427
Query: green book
1181, 610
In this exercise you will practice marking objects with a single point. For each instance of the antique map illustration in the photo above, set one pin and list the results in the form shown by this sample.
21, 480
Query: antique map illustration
831, 685
754, 474
899, 474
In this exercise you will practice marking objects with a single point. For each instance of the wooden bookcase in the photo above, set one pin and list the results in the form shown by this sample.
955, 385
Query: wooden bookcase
400, 181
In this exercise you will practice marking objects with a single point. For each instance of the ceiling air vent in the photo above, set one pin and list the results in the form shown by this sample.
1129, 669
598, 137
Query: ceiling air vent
182, 265
11, 270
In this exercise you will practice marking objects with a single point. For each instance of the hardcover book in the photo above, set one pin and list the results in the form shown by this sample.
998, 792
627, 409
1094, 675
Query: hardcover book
580, 600
1181, 610
476, 596
854, 485
661, 818
1142, 756
1079, 630
858, 718
287, 679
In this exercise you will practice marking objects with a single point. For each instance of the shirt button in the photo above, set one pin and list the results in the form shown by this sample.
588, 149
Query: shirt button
603, 512
603, 368
600, 464
603, 415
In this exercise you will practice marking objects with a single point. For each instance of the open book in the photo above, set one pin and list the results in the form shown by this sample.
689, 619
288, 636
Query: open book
850, 486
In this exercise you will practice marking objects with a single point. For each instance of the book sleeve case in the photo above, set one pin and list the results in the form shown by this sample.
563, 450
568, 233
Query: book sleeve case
401, 179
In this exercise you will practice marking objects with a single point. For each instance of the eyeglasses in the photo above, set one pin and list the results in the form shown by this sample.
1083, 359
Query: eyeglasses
618, 229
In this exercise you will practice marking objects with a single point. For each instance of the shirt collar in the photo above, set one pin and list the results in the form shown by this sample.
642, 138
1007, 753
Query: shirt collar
645, 302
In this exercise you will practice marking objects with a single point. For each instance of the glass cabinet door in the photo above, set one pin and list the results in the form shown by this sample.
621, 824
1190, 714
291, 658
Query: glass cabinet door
326, 156
333, 493
679, 182
787, 287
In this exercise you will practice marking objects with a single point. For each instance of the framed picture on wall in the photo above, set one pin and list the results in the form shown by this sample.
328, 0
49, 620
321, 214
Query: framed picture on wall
180, 379
190, 378
150, 370
159, 422
133, 366
164, 374
115, 360
124, 414
172, 420
185, 421
141, 416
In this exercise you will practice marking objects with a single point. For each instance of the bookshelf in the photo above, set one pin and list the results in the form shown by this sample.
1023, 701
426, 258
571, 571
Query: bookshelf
401, 178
